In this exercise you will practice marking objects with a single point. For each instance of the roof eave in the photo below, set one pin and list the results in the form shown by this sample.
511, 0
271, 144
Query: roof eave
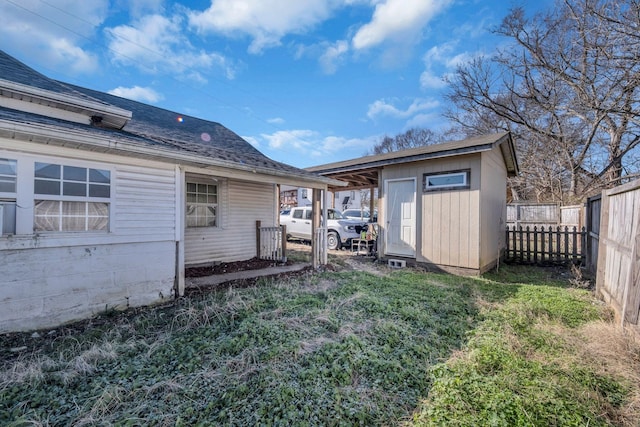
109, 114
47, 134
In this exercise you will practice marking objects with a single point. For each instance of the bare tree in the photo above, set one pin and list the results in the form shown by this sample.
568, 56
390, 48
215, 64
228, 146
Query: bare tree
412, 138
567, 89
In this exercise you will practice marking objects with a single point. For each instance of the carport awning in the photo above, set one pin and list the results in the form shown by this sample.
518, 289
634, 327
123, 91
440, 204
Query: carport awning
355, 179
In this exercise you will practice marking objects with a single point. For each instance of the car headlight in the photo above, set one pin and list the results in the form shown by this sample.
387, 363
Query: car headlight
351, 228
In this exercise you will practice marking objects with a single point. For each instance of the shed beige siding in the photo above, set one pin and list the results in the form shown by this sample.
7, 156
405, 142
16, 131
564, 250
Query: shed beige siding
242, 203
493, 208
448, 222
451, 218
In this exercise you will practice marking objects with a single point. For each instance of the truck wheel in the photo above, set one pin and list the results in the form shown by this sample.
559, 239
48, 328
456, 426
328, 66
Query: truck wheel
333, 240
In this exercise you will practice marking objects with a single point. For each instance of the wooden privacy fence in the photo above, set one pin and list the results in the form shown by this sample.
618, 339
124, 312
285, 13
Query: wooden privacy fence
271, 242
544, 214
540, 245
593, 232
618, 269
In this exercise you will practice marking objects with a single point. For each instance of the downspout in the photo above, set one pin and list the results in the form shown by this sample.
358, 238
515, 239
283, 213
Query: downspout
179, 281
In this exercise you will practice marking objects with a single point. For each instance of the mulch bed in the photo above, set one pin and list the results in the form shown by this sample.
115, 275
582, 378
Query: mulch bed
230, 267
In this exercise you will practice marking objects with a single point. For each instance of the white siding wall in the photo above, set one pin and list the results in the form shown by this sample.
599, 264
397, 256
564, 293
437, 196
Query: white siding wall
242, 204
49, 286
145, 203
50, 278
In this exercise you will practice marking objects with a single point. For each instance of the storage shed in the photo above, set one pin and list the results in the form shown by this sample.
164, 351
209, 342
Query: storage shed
442, 206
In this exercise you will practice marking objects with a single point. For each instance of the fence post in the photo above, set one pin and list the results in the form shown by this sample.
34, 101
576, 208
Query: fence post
535, 244
584, 238
520, 233
507, 242
528, 245
258, 224
283, 242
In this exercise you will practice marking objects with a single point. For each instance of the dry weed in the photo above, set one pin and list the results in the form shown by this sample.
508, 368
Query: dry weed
617, 352
22, 371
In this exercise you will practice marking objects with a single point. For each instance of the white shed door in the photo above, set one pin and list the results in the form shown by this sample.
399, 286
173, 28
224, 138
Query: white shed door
401, 217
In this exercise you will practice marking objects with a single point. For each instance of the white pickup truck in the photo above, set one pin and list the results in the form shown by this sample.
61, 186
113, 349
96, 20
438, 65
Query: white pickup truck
340, 230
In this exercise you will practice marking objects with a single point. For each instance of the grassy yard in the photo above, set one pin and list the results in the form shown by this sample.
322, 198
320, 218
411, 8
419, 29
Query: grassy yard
518, 347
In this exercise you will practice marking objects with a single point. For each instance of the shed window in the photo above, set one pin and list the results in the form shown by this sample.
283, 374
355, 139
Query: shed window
455, 180
71, 198
202, 205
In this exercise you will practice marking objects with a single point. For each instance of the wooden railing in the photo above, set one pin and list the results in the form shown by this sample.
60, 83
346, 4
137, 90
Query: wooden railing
271, 242
545, 245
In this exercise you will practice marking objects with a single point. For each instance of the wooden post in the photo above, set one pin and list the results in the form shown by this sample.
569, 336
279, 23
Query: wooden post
602, 247
284, 242
632, 290
315, 223
566, 244
535, 244
521, 245
508, 242
551, 247
528, 244
258, 224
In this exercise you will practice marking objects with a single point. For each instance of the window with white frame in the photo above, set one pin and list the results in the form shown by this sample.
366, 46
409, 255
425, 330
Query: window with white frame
453, 180
71, 198
8, 175
8, 178
202, 204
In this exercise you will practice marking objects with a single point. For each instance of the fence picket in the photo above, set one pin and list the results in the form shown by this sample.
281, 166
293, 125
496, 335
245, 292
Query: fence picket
535, 244
539, 246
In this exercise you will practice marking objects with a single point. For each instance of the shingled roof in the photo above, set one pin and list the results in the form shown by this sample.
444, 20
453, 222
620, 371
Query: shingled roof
169, 135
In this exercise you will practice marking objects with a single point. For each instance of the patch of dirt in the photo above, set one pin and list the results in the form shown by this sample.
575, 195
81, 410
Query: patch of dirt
230, 267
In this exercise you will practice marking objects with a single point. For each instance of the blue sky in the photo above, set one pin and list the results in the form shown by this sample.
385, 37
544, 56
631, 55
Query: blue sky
307, 82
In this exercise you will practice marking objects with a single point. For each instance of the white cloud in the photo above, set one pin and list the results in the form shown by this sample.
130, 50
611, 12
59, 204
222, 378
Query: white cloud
155, 43
382, 108
48, 32
276, 120
333, 55
428, 80
265, 21
431, 121
397, 20
137, 93
291, 139
441, 61
305, 143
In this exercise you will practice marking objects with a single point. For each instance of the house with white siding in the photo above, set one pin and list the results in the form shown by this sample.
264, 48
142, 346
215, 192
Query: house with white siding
105, 201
